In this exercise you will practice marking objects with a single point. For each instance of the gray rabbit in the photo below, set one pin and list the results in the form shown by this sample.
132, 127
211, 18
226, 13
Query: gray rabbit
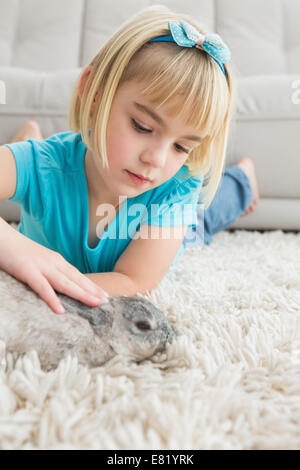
130, 326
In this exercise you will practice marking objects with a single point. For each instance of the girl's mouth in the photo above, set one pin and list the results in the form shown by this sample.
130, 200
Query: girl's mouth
135, 178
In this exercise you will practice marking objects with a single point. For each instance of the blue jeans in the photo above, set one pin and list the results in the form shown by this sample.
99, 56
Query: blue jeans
233, 197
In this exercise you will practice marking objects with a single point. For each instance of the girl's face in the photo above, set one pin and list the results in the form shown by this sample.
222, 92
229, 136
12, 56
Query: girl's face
155, 148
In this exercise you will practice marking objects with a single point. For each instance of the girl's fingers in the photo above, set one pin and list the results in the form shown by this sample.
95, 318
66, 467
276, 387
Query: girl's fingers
41, 286
67, 286
84, 282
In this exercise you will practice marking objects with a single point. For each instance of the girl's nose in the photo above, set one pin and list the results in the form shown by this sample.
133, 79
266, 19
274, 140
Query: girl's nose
155, 157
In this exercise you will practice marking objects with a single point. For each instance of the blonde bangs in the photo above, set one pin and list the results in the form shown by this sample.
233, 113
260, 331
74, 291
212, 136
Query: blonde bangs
190, 83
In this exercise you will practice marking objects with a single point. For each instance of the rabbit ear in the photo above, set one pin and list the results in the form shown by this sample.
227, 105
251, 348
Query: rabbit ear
102, 315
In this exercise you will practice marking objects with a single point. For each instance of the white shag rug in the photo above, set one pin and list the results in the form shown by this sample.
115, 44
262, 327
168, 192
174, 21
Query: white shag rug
231, 381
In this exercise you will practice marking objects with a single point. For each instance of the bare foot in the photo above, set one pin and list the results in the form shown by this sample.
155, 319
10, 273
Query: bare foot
247, 165
29, 130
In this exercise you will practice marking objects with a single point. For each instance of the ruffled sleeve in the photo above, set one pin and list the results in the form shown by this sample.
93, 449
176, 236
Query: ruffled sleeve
177, 205
28, 157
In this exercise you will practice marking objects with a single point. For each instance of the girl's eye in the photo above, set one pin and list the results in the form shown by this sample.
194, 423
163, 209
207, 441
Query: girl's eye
142, 129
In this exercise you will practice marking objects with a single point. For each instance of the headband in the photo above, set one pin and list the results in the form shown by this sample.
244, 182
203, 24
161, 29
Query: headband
185, 35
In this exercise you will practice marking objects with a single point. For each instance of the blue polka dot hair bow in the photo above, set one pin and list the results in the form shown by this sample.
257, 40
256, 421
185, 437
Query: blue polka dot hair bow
184, 34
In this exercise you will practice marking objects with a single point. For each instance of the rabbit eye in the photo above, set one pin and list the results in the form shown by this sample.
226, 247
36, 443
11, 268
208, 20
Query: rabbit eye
143, 325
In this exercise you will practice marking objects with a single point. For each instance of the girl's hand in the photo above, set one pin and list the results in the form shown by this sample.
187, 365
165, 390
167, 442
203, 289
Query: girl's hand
45, 270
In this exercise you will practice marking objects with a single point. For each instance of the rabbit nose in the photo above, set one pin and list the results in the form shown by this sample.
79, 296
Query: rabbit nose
143, 325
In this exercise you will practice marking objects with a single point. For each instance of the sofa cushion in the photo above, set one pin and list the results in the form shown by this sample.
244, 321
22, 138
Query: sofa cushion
39, 36
264, 36
268, 120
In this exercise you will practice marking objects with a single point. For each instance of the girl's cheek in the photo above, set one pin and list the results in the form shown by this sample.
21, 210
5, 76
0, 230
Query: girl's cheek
120, 146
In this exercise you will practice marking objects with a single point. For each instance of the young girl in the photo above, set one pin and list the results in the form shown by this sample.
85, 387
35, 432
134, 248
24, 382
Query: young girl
149, 120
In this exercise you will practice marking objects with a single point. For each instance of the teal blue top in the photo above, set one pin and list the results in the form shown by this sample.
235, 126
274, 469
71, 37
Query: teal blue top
53, 195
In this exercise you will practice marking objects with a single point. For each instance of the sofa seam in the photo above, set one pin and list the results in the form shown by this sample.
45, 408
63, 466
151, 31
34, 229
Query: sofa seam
215, 16
64, 114
15, 32
284, 41
84, 13
268, 118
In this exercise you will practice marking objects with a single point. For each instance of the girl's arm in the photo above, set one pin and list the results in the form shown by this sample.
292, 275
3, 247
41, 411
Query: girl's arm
8, 173
115, 283
42, 269
145, 261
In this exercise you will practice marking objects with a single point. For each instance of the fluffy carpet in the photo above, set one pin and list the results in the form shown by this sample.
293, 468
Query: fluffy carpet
231, 381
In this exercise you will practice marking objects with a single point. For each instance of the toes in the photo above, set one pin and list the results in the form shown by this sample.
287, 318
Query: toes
248, 210
252, 207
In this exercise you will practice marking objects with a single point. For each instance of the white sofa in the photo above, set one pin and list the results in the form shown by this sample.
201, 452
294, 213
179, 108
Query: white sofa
44, 46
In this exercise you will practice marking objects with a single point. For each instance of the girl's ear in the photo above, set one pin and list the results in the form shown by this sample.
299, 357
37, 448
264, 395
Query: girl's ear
83, 79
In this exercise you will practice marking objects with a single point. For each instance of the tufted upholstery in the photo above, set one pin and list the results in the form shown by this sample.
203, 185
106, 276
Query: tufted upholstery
43, 48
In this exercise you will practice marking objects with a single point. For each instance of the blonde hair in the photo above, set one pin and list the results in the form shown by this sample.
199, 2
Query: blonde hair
187, 79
